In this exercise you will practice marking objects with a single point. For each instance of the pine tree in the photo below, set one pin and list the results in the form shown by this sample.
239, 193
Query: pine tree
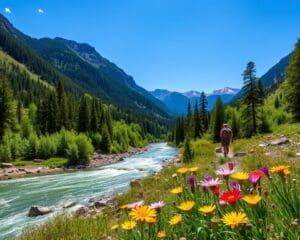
261, 91
217, 119
197, 122
293, 83
106, 141
19, 112
251, 98
8, 118
84, 115
203, 112
94, 115
234, 125
62, 115
52, 113
276, 102
187, 154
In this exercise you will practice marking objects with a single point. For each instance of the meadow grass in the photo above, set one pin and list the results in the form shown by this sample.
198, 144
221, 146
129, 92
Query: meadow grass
51, 162
275, 216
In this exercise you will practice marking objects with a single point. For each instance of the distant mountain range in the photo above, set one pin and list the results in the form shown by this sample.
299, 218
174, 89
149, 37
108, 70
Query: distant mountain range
177, 102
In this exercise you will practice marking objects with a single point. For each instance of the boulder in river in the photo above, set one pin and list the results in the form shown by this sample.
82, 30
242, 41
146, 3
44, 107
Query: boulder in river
38, 211
69, 204
280, 141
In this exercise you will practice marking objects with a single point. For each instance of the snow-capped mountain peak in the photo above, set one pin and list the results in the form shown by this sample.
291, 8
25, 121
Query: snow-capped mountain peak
226, 90
191, 94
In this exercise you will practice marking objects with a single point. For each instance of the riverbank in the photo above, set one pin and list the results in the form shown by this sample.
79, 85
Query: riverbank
9, 171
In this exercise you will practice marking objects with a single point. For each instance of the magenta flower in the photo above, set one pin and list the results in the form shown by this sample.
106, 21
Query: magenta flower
210, 182
224, 172
191, 181
254, 179
235, 186
158, 205
265, 170
135, 204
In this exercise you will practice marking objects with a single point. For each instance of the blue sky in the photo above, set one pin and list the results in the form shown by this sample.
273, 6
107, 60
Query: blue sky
173, 44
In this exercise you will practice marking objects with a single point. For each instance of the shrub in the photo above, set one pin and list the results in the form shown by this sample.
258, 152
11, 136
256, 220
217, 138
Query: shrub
47, 146
31, 149
72, 153
85, 148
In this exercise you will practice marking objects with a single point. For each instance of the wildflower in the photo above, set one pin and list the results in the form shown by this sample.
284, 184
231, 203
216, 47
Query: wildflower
151, 220
143, 213
175, 219
128, 225
161, 234
209, 182
255, 177
224, 172
222, 203
265, 170
135, 204
216, 190
231, 196
182, 170
235, 186
207, 209
186, 206
234, 219
174, 175
177, 190
157, 177
115, 227
191, 181
193, 169
231, 165
157, 206
252, 199
281, 169
240, 176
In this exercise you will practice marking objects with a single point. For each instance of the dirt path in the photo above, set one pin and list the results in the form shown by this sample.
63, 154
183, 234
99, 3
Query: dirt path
230, 154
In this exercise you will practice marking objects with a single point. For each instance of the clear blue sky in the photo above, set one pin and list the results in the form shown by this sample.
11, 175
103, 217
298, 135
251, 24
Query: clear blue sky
173, 44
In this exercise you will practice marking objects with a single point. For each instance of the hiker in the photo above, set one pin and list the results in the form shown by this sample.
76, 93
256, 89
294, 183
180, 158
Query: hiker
226, 138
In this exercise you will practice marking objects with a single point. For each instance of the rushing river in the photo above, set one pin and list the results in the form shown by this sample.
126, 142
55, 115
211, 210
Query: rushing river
18, 195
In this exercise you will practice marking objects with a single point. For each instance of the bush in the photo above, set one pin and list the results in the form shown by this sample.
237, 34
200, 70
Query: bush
48, 146
72, 154
31, 149
85, 148
96, 140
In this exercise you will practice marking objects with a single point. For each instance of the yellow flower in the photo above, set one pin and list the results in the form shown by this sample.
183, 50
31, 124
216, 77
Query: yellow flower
177, 190
252, 199
143, 213
193, 169
161, 234
186, 206
207, 209
129, 225
282, 169
156, 177
182, 170
115, 227
234, 219
240, 176
175, 219
151, 220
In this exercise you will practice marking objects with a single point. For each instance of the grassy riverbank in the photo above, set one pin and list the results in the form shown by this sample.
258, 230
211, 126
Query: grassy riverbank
274, 217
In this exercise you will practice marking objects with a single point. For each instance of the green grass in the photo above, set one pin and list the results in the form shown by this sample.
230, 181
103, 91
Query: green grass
51, 162
274, 217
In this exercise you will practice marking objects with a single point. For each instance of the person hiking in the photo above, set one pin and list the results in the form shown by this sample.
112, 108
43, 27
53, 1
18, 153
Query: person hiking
226, 136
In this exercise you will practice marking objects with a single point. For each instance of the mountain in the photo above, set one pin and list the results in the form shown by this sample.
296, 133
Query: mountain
82, 68
177, 102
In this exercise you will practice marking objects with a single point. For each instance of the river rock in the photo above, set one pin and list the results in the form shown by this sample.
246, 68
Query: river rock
240, 154
298, 154
262, 145
218, 150
38, 211
69, 204
135, 183
82, 211
100, 204
6, 165
280, 141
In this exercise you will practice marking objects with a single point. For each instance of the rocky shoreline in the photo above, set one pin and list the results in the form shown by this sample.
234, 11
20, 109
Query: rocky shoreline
8, 171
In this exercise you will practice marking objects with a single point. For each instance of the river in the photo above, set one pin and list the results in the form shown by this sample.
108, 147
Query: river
18, 195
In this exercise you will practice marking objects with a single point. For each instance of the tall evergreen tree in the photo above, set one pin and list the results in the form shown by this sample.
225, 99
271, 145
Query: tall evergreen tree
52, 112
203, 112
62, 115
84, 114
251, 98
293, 83
189, 120
217, 119
197, 122
8, 118
187, 151
94, 115
234, 124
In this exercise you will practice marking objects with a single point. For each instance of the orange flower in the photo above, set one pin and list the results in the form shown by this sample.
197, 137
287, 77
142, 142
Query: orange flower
161, 234
187, 206
175, 219
281, 169
143, 214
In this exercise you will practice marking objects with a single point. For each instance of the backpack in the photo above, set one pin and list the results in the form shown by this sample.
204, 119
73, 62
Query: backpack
226, 135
